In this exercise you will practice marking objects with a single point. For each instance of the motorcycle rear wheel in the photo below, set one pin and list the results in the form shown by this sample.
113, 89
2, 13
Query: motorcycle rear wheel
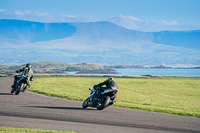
104, 104
24, 88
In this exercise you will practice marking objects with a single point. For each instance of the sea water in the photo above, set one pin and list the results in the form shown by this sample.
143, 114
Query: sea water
161, 72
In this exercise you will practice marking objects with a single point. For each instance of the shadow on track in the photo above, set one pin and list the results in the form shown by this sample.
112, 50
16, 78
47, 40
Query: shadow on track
6, 94
69, 108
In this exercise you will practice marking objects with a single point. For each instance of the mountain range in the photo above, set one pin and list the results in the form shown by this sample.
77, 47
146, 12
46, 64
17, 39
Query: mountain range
94, 42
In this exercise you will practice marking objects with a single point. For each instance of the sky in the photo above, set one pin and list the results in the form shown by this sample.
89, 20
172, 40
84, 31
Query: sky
142, 15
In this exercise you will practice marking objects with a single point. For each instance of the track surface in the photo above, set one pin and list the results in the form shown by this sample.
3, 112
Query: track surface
28, 110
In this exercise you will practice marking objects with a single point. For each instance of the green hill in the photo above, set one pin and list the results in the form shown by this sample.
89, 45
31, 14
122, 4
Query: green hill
52, 67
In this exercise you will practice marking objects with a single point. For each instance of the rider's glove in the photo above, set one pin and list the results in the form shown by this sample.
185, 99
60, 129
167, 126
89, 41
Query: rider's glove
95, 86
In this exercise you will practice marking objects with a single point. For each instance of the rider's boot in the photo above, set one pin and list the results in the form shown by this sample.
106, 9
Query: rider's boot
29, 84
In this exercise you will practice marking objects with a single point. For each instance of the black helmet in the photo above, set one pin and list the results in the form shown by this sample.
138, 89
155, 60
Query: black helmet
28, 65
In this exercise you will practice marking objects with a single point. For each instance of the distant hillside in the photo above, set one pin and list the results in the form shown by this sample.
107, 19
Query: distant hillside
17, 31
26, 31
94, 43
51, 67
186, 39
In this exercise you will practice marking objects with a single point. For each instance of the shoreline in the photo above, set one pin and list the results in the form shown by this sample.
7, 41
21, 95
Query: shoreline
101, 75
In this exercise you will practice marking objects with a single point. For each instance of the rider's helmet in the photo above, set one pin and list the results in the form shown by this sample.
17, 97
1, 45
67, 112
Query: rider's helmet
28, 65
110, 78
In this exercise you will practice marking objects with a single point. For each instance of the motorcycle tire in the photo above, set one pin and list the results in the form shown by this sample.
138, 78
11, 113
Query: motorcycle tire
19, 89
85, 103
12, 90
104, 104
24, 88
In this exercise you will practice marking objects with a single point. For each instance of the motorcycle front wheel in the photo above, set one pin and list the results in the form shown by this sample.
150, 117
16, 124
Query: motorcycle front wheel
20, 87
104, 104
85, 103
12, 90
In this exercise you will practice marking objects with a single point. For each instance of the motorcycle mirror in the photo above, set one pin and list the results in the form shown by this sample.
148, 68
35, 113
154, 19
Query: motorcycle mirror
89, 89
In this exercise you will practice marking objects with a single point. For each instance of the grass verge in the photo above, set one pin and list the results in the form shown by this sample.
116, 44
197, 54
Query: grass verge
171, 95
27, 130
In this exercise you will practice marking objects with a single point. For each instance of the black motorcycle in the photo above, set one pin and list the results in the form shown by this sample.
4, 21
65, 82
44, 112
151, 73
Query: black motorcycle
21, 85
104, 100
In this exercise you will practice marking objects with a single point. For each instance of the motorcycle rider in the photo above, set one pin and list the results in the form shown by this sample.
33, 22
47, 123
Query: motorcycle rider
27, 72
110, 84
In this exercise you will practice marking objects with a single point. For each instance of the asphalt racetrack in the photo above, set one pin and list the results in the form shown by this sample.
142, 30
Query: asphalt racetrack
28, 110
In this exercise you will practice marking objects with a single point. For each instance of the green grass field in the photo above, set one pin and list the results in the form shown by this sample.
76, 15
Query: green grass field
179, 96
25, 130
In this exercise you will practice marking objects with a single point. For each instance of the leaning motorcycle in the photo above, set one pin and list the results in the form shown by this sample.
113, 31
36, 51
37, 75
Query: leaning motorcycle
21, 85
104, 100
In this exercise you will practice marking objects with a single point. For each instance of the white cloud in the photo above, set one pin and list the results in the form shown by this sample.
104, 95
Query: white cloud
2, 10
164, 22
46, 17
69, 16
41, 14
129, 18
75, 18
126, 21
31, 13
19, 13
131, 22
